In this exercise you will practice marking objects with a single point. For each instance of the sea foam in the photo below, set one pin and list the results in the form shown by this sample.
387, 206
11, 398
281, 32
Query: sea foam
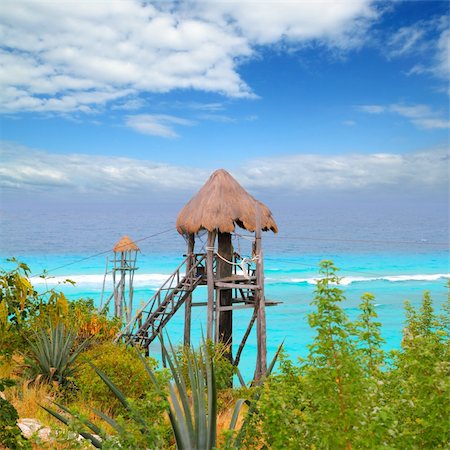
142, 279
345, 281
154, 280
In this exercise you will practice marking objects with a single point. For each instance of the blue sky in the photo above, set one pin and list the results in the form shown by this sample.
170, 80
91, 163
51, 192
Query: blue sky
120, 98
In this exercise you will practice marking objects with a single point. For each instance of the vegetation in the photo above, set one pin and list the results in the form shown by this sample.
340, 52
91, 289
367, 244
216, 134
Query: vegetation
10, 434
347, 393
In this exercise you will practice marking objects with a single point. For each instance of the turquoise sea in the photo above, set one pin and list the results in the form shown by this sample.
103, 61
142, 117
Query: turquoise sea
395, 256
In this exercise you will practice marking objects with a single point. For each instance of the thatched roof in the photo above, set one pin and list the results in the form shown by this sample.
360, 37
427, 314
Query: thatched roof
221, 204
124, 245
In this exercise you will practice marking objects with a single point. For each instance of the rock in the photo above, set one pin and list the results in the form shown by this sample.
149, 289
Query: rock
31, 426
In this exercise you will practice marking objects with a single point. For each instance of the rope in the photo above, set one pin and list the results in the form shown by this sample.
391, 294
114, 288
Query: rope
242, 264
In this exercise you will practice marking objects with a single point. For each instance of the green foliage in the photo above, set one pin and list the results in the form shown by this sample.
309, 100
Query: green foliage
54, 353
123, 367
345, 394
18, 301
10, 434
419, 383
192, 413
193, 427
223, 368
23, 310
17, 293
80, 315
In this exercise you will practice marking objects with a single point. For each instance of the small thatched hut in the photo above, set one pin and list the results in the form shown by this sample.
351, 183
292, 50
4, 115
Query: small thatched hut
125, 244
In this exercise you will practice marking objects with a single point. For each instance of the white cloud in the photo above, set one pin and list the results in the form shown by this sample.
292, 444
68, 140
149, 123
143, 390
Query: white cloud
77, 56
429, 39
156, 124
338, 24
350, 171
371, 109
349, 123
25, 169
420, 115
406, 40
442, 57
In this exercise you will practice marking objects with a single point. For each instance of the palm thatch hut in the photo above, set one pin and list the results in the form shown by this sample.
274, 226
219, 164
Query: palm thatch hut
125, 244
218, 207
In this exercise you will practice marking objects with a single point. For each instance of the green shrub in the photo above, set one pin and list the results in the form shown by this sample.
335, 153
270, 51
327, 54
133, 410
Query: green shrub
123, 367
10, 434
348, 393
419, 382
224, 369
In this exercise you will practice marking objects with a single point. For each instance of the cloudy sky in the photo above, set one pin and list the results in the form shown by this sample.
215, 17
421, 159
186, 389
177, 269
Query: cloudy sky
128, 97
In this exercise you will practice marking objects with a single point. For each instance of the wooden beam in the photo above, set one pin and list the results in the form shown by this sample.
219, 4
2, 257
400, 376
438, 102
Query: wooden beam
225, 269
188, 303
244, 339
261, 362
210, 282
222, 285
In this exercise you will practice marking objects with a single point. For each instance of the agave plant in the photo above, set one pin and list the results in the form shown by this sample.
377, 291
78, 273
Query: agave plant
193, 417
54, 353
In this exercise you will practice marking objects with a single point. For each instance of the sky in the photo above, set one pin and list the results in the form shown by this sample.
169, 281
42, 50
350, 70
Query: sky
106, 100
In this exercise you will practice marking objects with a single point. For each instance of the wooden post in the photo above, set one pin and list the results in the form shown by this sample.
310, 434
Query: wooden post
116, 294
121, 296
210, 282
188, 303
261, 362
225, 269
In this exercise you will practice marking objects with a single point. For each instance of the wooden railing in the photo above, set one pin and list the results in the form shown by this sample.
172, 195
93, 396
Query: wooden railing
148, 322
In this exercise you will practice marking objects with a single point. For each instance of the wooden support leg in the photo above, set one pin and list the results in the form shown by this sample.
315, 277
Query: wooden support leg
245, 337
210, 282
225, 269
261, 363
188, 303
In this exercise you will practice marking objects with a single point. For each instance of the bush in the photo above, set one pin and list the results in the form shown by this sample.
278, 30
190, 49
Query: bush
224, 369
18, 302
122, 366
10, 434
348, 394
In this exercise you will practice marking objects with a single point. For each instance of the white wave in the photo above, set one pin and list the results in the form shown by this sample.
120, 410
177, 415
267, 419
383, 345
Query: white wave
142, 279
345, 281
153, 280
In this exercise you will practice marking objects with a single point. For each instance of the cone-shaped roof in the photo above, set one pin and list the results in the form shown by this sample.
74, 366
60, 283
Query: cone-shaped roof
221, 204
124, 245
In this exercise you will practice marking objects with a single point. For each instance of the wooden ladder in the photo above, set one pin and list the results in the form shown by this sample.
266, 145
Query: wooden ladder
149, 321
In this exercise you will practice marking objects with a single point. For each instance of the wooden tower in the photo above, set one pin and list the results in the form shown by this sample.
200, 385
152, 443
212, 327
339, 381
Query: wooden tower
123, 269
217, 208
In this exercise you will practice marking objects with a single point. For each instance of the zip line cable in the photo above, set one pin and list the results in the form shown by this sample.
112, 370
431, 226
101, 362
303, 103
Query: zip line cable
369, 241
249, 236
100, 253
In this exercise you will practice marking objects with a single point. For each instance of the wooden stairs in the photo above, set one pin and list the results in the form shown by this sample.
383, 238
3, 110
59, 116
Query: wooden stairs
149, 321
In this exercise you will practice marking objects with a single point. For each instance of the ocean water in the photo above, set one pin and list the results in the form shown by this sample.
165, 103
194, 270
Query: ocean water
394, 253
